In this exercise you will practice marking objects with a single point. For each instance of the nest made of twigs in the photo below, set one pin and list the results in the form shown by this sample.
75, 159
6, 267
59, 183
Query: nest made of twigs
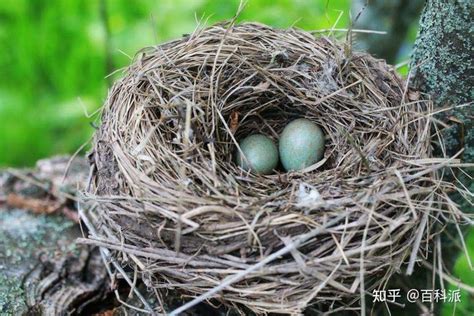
175, 207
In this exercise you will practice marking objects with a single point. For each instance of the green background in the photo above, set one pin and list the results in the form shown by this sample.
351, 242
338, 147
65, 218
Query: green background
55, 56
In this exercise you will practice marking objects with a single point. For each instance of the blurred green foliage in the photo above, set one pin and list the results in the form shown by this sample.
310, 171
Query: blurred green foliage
54, 56
462, 270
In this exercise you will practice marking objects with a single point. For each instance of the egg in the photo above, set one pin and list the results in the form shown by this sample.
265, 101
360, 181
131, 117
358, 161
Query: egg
261, 153
301, 144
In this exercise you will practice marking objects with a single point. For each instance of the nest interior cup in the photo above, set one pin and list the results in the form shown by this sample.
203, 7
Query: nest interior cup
176, 208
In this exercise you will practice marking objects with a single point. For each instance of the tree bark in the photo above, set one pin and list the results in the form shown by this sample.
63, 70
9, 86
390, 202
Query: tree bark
42, 270
443, 66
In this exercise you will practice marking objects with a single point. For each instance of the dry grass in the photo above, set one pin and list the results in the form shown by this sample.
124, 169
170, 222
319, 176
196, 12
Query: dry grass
173, 206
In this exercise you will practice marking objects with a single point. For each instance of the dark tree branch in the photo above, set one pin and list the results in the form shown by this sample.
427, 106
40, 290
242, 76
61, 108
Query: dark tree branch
394, 17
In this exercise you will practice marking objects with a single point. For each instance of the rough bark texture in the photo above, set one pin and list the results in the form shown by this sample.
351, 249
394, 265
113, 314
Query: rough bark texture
23, 239
443, 65
42, 270
394, 17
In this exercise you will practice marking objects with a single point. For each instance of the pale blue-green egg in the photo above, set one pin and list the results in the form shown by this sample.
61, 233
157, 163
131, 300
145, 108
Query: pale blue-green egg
301, 144
261, 153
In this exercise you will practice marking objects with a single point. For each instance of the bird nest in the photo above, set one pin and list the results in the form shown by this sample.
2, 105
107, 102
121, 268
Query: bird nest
175, 207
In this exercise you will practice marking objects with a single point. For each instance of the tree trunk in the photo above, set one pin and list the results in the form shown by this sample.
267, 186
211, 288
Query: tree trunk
443, 66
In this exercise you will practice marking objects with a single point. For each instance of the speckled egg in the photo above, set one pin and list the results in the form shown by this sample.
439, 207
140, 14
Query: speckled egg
261, 153
301, 144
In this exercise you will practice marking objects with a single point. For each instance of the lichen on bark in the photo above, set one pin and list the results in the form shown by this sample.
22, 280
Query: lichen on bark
443, 66
23, 237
